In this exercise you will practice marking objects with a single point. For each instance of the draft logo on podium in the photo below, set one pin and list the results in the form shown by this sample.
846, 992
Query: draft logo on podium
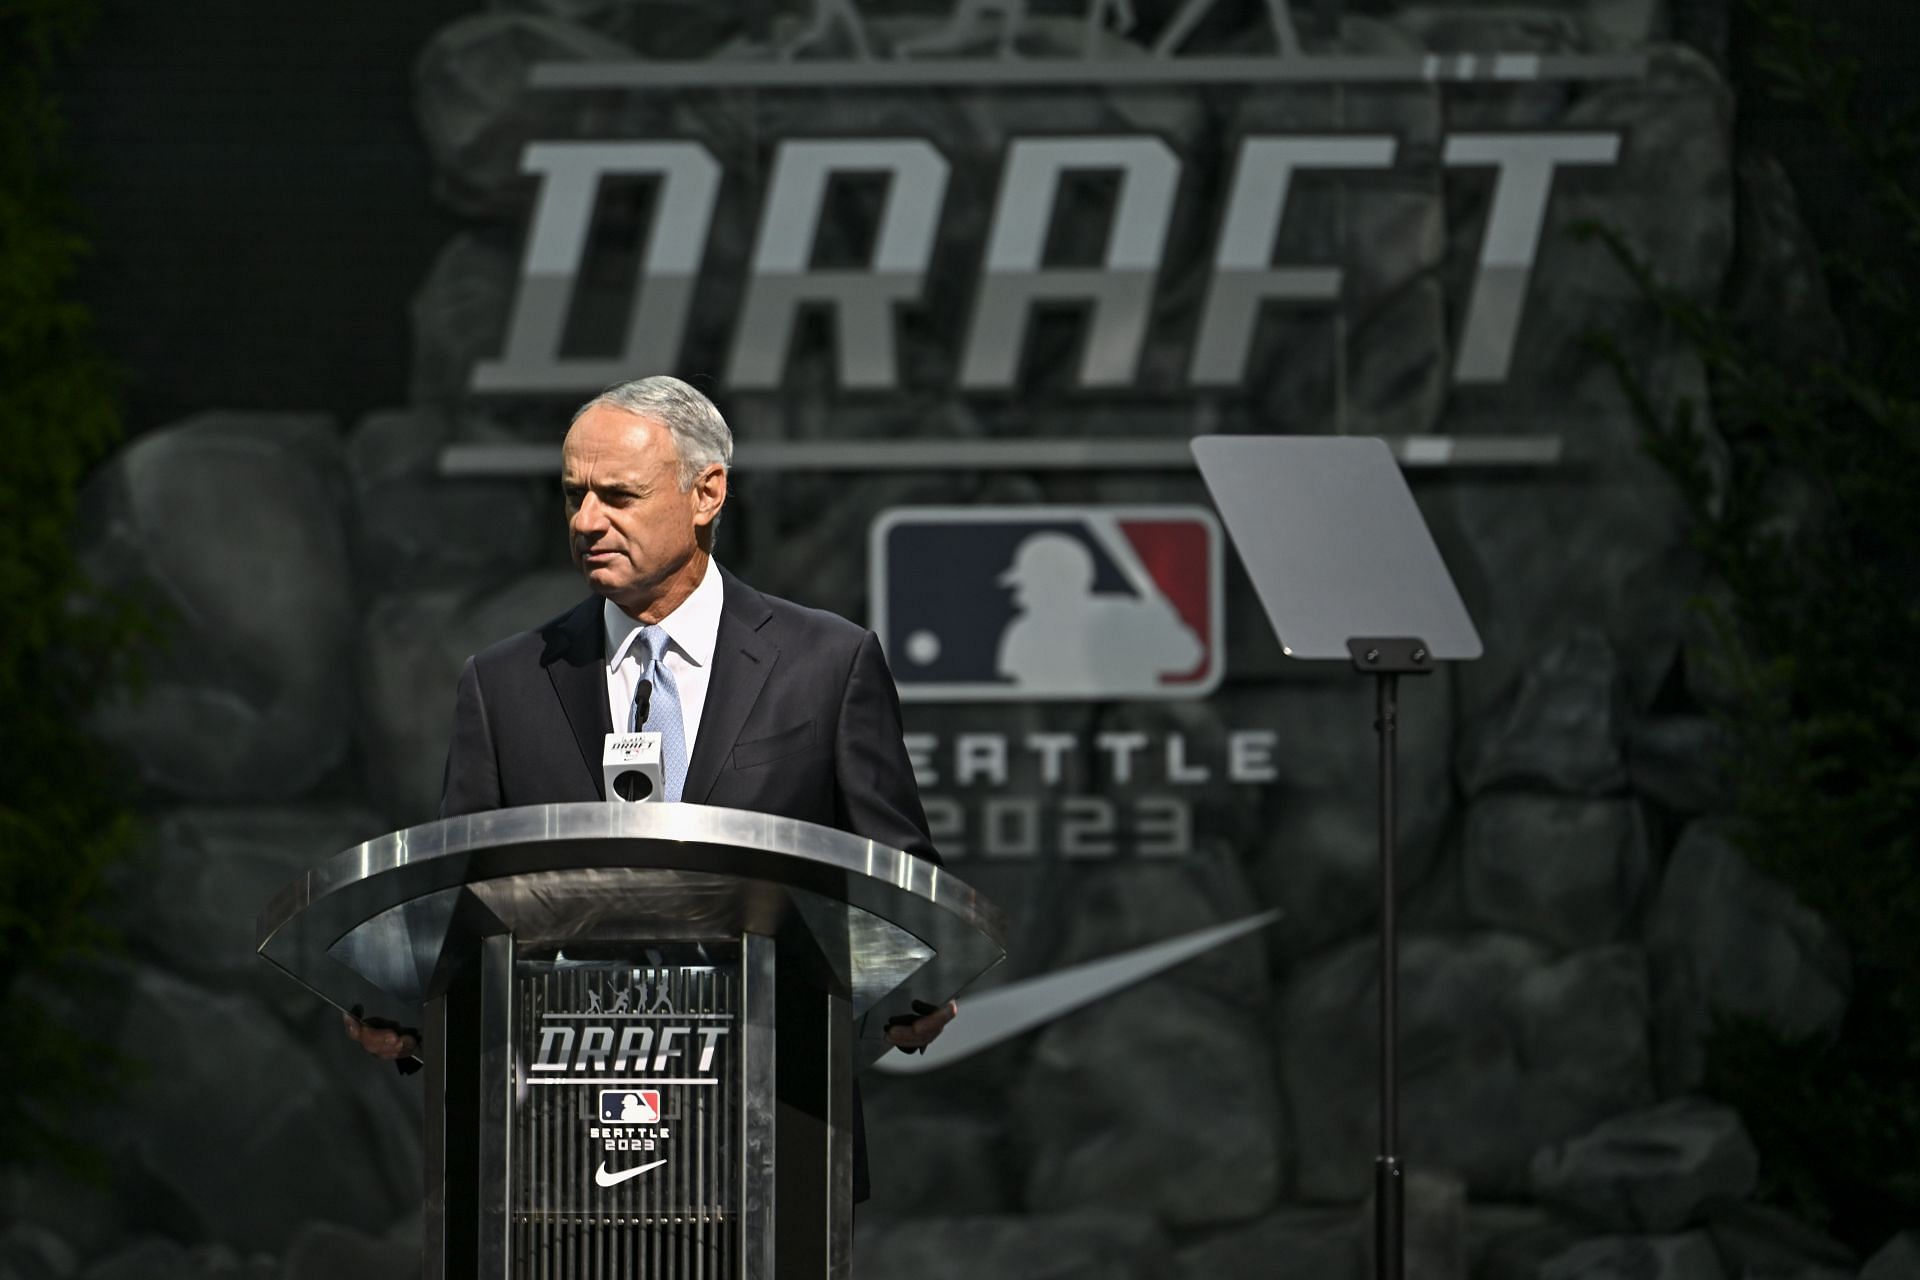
630, 1106
1029, 603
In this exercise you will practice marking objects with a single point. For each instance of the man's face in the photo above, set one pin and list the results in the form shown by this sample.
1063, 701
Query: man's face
634, 533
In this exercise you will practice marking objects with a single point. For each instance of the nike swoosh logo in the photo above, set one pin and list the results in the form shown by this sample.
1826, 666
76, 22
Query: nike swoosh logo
996, 1016
606, 1179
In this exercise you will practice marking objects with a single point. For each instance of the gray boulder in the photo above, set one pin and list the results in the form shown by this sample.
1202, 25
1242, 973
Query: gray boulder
153, 1258
1036, 891
1777, 287
1504, 1050
1682, 1257
83, 1214
1104, 1130
1385, 370
1538, 28
1898, 1259
1088, 1140
1510, 1242
612, 18
1435, 1243
408, 1236
1385, 229
233, 1113
1510, 539
459, 317
1760, 1242
1712, 680
1397, 364
1676, 761
413, 647
160, 1258
693, 33
1626, 25
1744, 943
1112, 907
1679, 1024
414, 528
1324, 1244
1653, 1171
233, 524
1075, 1246
29, 1251
1446, 28
1394, 355
477, 111
1567, 870
1579, 26
190, 897
325, 1251
1680, 117
947, 1159
1704, 25
1563, 728
1318, 858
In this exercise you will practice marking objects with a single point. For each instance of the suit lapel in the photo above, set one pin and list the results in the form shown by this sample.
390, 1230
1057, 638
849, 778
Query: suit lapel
742, 659
575, 660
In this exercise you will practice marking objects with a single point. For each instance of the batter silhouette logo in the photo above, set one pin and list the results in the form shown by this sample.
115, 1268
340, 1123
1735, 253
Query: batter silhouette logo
1026, 603
630, 1106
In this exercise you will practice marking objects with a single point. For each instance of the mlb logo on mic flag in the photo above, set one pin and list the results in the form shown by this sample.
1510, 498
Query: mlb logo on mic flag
1026, 603
629, 1106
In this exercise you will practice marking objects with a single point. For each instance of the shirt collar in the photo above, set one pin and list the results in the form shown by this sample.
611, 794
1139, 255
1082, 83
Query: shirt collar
693, 627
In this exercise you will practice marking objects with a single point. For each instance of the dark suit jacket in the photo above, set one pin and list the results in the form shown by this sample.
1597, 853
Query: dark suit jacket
801, 720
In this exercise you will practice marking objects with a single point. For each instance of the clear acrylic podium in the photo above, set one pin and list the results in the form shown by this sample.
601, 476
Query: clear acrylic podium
640, 1024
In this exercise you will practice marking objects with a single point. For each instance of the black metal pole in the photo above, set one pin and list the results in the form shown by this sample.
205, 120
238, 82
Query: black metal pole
1388, 1203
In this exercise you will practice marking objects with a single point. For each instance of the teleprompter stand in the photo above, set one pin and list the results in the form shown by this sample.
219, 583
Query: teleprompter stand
1346, 569
641, 1023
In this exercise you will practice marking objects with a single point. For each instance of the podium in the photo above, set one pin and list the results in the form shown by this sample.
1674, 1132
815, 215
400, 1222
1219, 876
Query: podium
640, 1024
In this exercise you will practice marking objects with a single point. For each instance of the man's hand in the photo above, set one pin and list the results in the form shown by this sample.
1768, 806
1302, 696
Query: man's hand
924, 1030
381, 1038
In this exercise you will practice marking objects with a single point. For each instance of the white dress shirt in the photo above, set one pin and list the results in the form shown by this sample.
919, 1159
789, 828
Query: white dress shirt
692, 630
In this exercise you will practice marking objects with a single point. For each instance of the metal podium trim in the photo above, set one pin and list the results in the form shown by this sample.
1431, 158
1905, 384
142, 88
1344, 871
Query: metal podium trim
735, 870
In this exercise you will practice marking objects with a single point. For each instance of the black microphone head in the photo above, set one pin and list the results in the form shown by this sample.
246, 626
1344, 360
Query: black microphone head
633, 785
642, 703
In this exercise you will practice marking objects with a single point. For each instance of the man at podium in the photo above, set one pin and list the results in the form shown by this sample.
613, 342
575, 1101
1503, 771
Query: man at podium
761, 704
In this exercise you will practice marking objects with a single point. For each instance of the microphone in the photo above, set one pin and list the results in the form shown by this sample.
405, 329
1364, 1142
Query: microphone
630, 762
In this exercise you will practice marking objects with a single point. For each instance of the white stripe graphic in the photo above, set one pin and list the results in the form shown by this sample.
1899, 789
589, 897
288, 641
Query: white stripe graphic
996, 1016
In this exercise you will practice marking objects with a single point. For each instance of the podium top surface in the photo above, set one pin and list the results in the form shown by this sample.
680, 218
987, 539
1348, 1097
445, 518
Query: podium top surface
380, 923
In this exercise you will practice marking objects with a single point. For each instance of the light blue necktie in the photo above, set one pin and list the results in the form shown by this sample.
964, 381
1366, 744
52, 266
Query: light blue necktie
663, 713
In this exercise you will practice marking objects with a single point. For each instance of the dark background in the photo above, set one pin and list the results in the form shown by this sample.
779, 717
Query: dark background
261, 211
258, 201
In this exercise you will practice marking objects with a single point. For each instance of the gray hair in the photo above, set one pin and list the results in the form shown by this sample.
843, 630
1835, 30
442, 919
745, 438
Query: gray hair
700, 435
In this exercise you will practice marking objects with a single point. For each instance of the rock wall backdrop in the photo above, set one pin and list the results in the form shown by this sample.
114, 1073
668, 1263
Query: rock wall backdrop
1575, 915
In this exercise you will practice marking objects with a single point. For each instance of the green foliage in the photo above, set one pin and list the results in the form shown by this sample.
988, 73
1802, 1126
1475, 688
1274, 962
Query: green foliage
1805, 511
59, 827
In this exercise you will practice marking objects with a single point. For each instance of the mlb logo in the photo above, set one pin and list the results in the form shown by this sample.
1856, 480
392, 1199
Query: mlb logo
1024, 603
630, 1106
